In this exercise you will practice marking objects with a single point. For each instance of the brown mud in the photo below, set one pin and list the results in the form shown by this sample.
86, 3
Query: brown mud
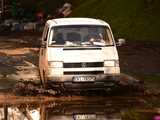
19, 56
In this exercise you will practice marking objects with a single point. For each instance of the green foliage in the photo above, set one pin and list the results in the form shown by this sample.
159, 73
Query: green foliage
14, 8
152, 78
134, 115
131, 115
46, 6
134, 20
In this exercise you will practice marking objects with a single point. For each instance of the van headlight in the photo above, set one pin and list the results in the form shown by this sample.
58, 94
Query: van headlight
55, 64
111, 63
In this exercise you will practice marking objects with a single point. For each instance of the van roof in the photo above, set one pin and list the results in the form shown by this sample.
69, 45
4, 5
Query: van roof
76, 21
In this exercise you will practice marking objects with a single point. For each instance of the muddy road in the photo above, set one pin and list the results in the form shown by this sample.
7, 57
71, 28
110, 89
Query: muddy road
77, 108
19, 61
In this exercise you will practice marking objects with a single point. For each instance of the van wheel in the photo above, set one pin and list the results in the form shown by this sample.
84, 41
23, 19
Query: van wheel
40, 77
43, 81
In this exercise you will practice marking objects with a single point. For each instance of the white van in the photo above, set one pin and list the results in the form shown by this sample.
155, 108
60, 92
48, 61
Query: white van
78, 53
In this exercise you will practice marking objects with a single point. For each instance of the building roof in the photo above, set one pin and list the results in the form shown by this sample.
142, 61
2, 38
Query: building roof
76, 21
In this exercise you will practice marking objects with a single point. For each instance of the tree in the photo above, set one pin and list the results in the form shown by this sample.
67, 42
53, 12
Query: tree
14, 8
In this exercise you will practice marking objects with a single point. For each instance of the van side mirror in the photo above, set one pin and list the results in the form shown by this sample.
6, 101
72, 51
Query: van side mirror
43, 45
120, 42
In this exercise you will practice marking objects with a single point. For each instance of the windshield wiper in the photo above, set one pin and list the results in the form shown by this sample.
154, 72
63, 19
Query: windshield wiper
99, 44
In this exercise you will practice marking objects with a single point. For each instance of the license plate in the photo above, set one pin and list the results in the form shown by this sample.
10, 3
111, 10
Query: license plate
84, 79
85, 117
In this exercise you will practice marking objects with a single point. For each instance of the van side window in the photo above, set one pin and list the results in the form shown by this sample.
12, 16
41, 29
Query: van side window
109, 37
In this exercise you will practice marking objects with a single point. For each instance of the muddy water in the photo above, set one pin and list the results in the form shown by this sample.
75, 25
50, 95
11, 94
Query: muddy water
6, 84
95, 107
76, 108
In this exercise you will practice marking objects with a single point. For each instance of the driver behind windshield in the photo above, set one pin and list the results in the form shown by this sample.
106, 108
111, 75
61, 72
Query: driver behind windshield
77, 35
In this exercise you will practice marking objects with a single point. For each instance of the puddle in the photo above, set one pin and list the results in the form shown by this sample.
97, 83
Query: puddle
6, 84
76, 108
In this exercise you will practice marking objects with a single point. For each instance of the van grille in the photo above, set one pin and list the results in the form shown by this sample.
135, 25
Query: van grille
83, 65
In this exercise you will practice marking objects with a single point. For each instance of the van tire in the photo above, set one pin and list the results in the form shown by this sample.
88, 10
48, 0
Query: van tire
43, 81
40, 77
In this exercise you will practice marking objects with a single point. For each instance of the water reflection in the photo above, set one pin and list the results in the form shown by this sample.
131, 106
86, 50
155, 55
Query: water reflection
104, 109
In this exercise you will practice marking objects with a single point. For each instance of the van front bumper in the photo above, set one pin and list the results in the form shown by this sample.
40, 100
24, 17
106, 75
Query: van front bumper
101, 81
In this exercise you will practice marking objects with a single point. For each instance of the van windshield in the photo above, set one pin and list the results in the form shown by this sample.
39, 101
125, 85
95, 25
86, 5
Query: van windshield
80, 35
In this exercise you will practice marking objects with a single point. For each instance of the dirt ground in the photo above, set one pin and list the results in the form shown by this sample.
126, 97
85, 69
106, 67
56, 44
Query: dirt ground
19, 57
19, 61
140, 57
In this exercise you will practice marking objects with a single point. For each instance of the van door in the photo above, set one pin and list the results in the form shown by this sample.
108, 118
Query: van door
43, 48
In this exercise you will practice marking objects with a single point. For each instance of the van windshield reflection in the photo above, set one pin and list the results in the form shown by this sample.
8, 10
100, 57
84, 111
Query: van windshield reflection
80, 35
